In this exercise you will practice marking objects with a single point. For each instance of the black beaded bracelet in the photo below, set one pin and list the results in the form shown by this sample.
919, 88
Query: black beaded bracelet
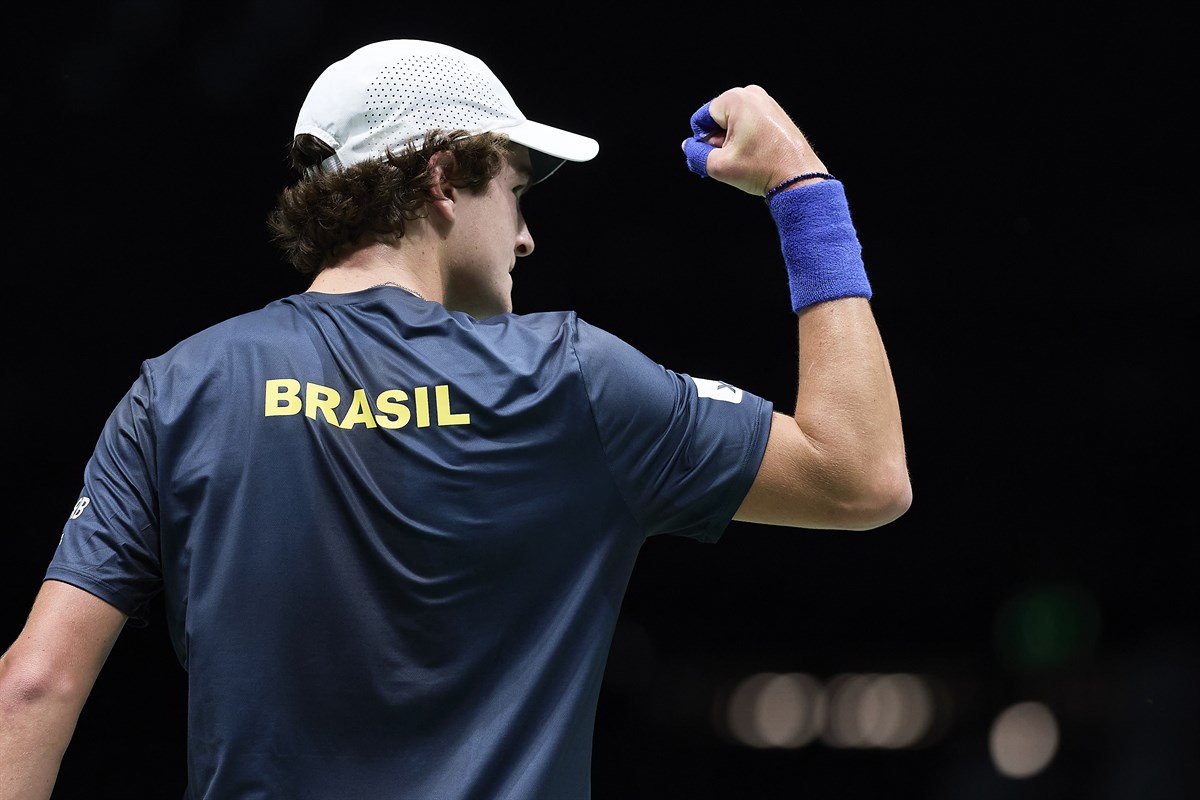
767, 197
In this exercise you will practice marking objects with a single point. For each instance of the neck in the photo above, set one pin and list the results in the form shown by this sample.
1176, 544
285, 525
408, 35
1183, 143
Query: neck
412, 267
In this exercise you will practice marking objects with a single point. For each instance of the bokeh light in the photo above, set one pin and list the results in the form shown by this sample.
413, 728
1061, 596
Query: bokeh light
743, 705
895, 711
1046, 626
1023, 740
790, 710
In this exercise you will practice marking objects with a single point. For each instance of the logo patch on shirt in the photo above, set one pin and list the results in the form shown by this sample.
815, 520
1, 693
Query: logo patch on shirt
79, 507
718, 390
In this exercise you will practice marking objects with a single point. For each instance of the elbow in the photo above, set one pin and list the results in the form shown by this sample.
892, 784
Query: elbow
878, 502
893, 501
20, 688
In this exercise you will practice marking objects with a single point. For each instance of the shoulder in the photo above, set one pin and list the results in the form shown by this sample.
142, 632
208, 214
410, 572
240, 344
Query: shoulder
587, 343
215, 345
553, 326
545, 322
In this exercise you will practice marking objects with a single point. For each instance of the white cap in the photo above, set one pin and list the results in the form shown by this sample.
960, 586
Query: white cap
390, 93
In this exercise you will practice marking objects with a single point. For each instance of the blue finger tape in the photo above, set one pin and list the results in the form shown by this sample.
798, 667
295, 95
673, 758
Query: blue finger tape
697, 156
696, 149
702, 122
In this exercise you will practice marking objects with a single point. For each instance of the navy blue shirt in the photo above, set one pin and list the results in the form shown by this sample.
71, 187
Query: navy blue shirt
393, 540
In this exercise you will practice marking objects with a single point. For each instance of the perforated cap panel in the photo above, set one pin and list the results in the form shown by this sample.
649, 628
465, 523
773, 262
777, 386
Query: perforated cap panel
417, 93
426, 92
389, 93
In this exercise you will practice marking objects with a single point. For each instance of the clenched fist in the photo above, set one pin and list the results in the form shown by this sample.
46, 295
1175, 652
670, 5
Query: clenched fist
744, 138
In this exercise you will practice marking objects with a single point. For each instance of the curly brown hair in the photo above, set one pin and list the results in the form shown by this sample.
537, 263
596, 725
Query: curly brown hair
325, 214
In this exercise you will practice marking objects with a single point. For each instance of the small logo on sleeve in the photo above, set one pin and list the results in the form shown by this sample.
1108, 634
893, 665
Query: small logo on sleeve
718, 390
79, 507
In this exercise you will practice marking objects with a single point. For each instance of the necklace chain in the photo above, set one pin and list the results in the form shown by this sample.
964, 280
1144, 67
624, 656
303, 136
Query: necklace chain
393, 283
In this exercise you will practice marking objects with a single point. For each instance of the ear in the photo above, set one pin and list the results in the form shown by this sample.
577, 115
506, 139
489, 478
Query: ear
444, 193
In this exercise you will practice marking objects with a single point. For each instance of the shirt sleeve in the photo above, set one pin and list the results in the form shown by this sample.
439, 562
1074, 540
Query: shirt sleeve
109, 546
683, 451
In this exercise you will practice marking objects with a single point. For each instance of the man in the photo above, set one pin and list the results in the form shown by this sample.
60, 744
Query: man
393, 521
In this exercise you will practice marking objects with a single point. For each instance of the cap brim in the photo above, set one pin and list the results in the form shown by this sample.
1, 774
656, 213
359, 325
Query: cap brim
550, 146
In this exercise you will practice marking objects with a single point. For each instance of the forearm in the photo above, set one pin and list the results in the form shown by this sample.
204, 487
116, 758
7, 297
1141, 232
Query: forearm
851, 455
35, 728
846, 401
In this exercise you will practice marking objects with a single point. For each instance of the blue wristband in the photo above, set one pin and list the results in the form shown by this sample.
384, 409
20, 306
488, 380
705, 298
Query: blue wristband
820, 246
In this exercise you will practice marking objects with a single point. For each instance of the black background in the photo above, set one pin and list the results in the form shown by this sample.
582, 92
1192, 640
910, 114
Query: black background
1016, 176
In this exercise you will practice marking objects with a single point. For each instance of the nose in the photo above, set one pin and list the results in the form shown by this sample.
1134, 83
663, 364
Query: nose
524, 245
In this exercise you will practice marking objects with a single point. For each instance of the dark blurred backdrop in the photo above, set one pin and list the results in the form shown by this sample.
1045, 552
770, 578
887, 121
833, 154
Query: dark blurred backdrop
1016, 175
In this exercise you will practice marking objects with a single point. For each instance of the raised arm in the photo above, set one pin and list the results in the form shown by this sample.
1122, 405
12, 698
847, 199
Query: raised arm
839, 463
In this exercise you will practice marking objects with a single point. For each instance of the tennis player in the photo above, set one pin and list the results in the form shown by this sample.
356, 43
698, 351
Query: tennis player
391, 520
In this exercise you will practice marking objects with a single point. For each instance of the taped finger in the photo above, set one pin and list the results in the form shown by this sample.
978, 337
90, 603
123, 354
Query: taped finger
702, 121
697, 156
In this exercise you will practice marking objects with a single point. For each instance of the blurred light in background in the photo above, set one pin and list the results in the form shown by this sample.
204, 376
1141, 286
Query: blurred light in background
845, 694
1023, 740
1046, 626
790, 710
743, 706
895, 711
